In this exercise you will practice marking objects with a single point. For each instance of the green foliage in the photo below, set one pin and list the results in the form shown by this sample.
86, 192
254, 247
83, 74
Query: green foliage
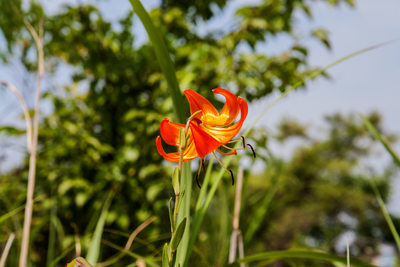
102, 137
176, 239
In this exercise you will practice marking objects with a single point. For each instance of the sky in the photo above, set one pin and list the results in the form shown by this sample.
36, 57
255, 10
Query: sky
362, 84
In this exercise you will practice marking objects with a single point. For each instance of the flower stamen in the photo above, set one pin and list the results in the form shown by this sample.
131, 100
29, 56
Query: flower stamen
201, 163
229, 171
197, 177
243, 140
252, 149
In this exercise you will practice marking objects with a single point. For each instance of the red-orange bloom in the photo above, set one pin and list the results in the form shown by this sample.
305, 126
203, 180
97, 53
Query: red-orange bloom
207, 129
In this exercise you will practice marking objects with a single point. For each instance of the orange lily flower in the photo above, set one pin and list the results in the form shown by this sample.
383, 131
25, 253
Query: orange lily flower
206, 129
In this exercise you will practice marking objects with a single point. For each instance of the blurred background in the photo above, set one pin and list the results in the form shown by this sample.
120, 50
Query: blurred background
105, 96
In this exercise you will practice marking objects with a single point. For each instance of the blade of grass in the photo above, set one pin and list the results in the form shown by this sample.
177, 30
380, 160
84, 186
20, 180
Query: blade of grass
6, 250
199, 215
381, 139
385, 213
20, 208
396, 159
52, 236
163, 58
62, 255
261, 211
301, 254
94, 249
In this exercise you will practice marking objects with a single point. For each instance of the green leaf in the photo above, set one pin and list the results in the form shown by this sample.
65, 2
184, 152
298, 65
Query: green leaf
387, 216
322, 35
176, 239
181, 197
175, 180
165, 257
171, 214
164, 60
94, 248
301, 254
381, 139
11, 213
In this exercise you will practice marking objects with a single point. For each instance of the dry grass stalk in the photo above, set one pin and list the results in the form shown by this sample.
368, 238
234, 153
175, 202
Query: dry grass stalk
129, 243
140, 263
236, 234
26, 113
32, 160
6, 250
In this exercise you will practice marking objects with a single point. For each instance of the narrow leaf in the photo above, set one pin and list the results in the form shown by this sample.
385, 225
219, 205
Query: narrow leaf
381, 139
94, 248
20, 208
171, 214
181, 196
176, 239
389, 220
175, 180
165, 257
164, 59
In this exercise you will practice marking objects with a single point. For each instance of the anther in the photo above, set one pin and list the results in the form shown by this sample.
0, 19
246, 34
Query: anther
233, 178
202, 164
198, 174
244, 141
254, 153
197, 181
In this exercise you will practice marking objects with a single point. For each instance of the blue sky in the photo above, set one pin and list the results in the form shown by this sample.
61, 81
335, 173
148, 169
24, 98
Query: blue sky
362, 84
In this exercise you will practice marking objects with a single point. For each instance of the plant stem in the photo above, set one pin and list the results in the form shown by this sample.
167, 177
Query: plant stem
32, 160
176, 210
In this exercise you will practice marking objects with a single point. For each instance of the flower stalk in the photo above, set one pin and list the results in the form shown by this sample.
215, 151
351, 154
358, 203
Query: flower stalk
177, 231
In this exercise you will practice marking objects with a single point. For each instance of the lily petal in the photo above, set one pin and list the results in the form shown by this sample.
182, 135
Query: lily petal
224, 135
190, 152
228, 113
204, 142
170, 132
197, 102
